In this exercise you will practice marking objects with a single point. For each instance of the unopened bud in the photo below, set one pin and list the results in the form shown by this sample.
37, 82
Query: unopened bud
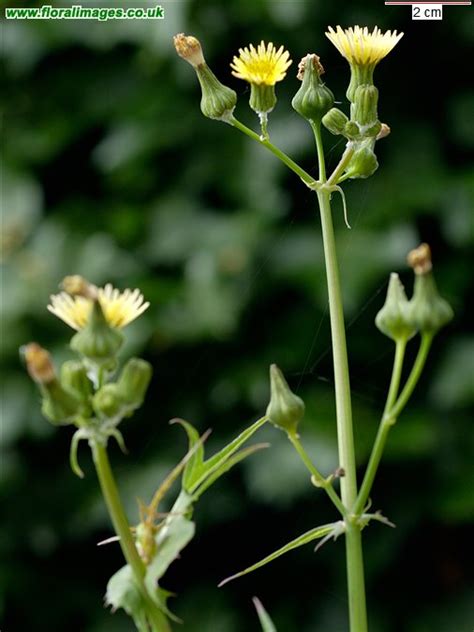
313, 100
217, 101
393, 319
364, 161
107, 402
335, 121
59, 405
134, 381
351, 130
428, 310
74, 378
372, 131
97, 341
285, 409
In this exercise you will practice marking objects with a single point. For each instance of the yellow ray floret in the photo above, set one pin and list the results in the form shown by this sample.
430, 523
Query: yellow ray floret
262, 65
359, 46
119, 308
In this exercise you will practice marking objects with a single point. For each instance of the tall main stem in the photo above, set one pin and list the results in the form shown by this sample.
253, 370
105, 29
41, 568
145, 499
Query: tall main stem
345, 434
122, 529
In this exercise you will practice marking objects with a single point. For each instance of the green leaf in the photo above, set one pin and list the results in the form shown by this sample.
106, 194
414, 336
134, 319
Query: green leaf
265, 621
123, 592
194, 466
216, 461
227, 465
160, 597
176, 533
325, 531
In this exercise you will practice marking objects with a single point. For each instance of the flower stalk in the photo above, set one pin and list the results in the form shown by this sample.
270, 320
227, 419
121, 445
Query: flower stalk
122, 529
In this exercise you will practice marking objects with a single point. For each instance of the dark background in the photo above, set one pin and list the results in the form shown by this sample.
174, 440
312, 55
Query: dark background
112, 172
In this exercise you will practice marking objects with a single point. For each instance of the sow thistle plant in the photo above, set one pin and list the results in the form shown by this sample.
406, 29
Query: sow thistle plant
400, 319
94, 393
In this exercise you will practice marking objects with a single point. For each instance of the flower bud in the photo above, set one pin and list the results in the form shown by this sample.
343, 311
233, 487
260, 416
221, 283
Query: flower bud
351, 130
74, 378
364, 108
428, 311
285, 409
107, 402
364, 161
59, 405
217, 101
393, 319
134, 381
97, 341
335, 121
313, 100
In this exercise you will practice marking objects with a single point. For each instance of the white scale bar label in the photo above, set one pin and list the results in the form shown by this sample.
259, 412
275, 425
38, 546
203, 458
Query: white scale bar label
427, 11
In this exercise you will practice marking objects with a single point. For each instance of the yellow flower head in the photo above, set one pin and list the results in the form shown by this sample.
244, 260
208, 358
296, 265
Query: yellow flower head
75, 304
264, 65
361, 47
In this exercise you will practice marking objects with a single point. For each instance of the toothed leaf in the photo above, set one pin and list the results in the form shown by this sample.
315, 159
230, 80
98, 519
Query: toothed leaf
309, 536
216, 461
123, 592
195, 465
170, 540
227, 465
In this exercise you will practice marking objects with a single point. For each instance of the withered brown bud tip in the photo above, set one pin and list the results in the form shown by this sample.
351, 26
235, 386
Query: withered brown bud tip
420, 259
189, 48
38, 363
76, 285
315, 61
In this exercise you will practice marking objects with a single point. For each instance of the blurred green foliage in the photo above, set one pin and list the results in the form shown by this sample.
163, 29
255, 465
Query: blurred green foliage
110, 171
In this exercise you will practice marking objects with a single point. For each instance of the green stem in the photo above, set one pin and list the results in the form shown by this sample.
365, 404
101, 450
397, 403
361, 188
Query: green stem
341, 366
122, 529
355, 566
334, 178
392, 411
345, 434
318, 478
291, 164
425, 344
384, 428
355, 579
320, 150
